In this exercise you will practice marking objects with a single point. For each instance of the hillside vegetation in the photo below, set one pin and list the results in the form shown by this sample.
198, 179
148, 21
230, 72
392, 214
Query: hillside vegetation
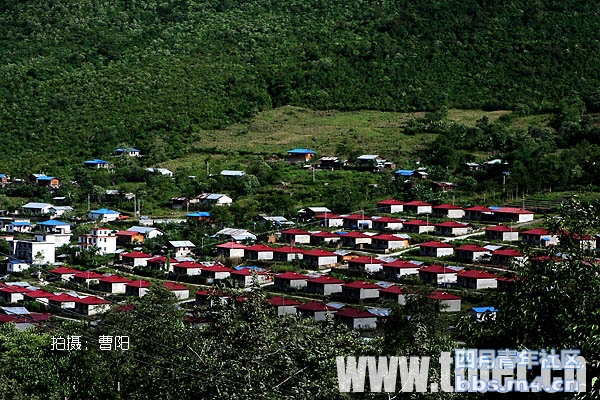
80, 77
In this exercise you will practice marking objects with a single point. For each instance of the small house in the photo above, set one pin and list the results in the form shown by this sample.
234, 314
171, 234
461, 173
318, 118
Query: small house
113, 284
502, 232
418, 226
138, 288
359, 291
283, 305
104, 215
387, 224
287, 254
452, 228
96, 163
244, 277
475, 279
388, 242
290, 280
324, 285
390, 206
295, 236
356, 319
448, 302
181, 292
539, 237
365, 264
395, 270
299, 155
317, 258
91, 305
231, 250
258, 252
136, 259
448, 211
507, 257
181, 248
317, 310
471, 253
417, 207
438, 274
356, 240
479, 213
435, 249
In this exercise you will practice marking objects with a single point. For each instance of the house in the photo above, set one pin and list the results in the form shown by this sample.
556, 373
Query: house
324, 285
128, 151
64, 273
505, 282
214, 199
405, 173
471, 253
355, 239
104, 215
25, 321
501, 232
295, 236
215, 271
365, 264
479, 213
258, 252
231, 250
189, 268
236, 235
330, 220
511, 214
41, 250
38, 295
452, 228
394, 293
87, 277
181, 292
389, 242
160, 263
203, 297
44, 180
438, 274
418, 226
357, 221
287, 254
12, 293
37, 209
4, 179
198, 216
181, 248
507, 257
475, 279
448, 302
19, 227
356, 319
417, 207
539, 237
387, 224
276, 221
311, 212
448, 211
472, 166
128, 238
62, 301
395, 270
147, 231
290, 280
584, 242
314, 309
102, 238
96, 163
61, 231
483, 313
59, 211
13, 265
390, 206
137, 288
161, 171
136, 259
359, 291
113, 284
299, 155
232, 174
283, 305
317, 258
319, 238
332, 163
244, 277
435, 249
370, 162
444, 186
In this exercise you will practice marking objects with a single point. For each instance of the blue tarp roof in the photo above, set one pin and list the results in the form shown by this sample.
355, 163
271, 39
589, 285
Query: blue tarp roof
301, 151
124, 149
95, 161
485, 309
104, 211
405, 172
198, 214
20, 223
53, 222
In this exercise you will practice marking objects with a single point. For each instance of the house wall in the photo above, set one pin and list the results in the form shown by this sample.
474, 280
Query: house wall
281, 310
365, 323
452, 305
486, 284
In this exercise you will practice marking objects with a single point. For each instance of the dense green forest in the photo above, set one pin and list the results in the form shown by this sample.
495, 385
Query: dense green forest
79, 77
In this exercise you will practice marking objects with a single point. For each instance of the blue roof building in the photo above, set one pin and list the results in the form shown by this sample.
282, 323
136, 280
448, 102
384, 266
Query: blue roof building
96, 163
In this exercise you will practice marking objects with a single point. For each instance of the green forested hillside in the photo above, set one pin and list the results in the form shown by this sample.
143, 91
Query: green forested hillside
80, 77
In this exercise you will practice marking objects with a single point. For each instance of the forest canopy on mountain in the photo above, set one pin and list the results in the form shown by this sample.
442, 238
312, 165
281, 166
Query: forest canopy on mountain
80, 77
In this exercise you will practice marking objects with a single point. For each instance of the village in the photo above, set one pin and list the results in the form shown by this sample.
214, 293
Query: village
319, 264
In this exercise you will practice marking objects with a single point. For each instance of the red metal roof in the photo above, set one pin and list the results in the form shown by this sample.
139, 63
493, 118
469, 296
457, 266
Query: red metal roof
231, 245
327, 280
361, 285
476, 274
175, 286
512, 210
140, 283
38, 294
324, 234
536, 231
127, 233
63, 298
136, 254
292, 276
500, 228
282, 301
288, 250
315, 306
295, 231
92, 300
356, 235
483, 209
394, 289
217, 268
14, 289
471, 247
386, 220
114, 279
437, 269
365, 260
452, 224
246, 272
437, 245
189, 264
349, 312
418, 222
162, 259
89, 275
319, 253
259, 248
356, 217
328, 216
64, 271
438, 295
417, 203
390, 202
400, 264
507, 253
447, 207
388, 238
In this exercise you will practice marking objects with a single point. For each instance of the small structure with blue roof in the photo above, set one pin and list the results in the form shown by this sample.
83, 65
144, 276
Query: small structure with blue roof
19, 226
483, 313
96, 163
299, 155
128, 151
104, 215
198, 216
55, 226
